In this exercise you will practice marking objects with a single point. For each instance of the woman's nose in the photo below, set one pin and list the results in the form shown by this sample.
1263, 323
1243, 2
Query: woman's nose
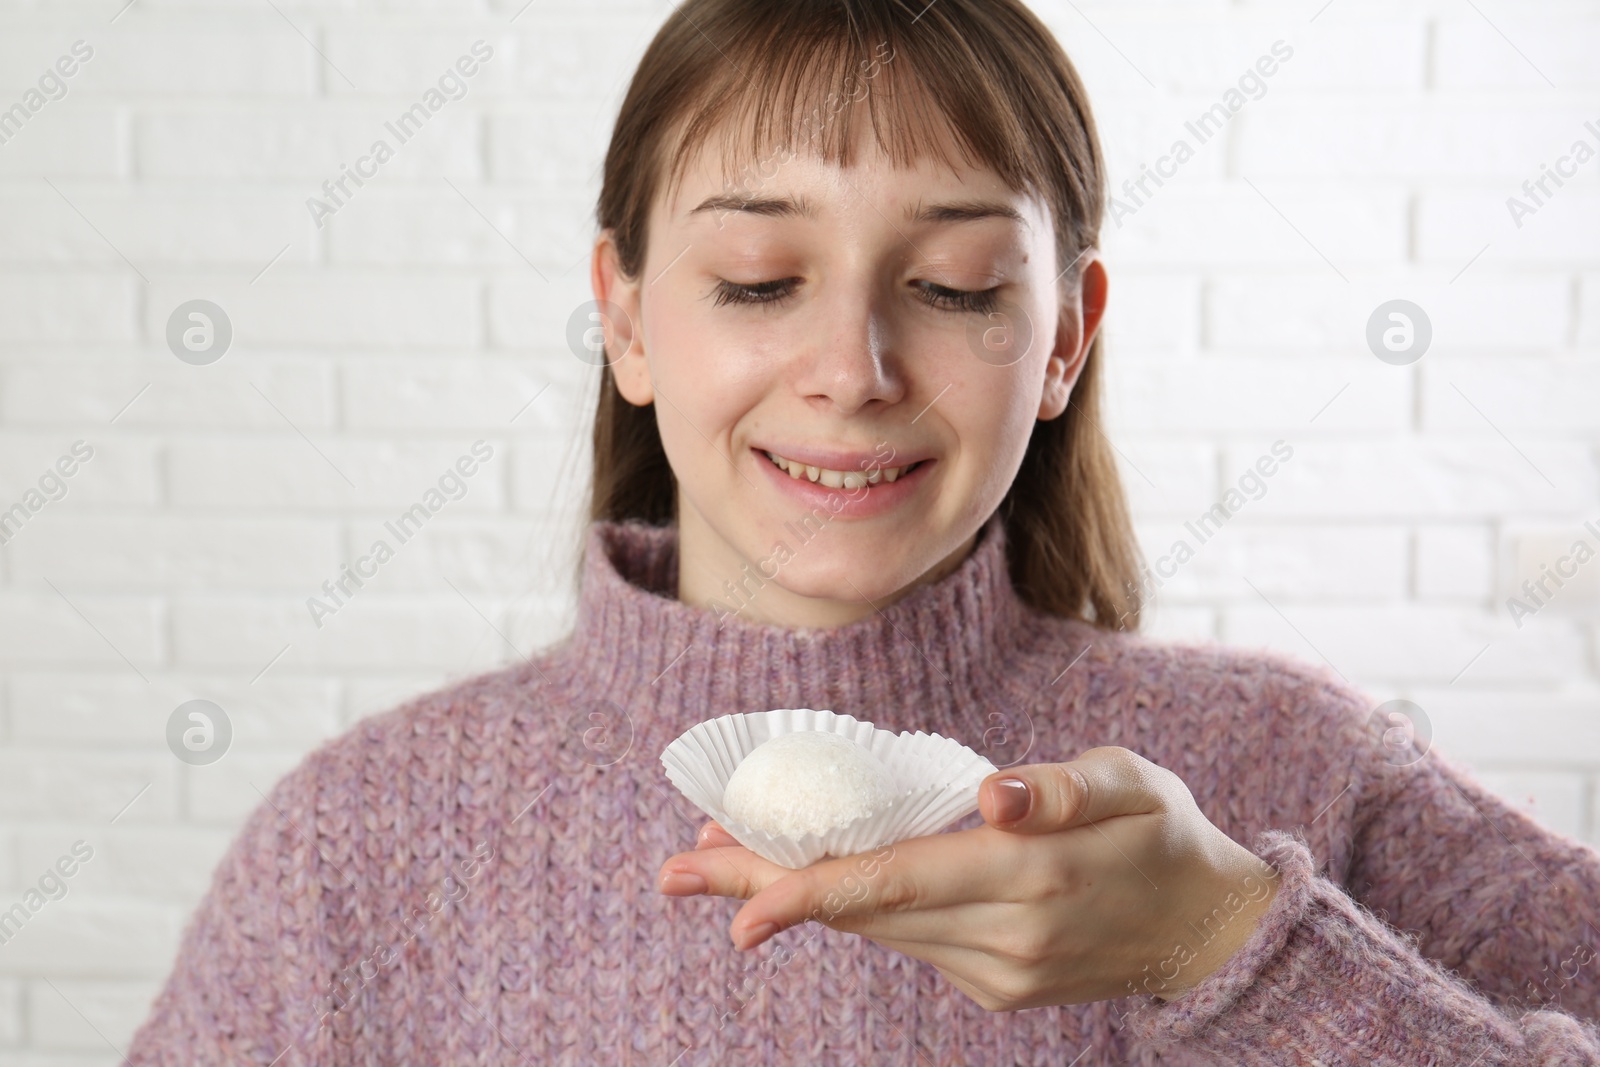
853, 358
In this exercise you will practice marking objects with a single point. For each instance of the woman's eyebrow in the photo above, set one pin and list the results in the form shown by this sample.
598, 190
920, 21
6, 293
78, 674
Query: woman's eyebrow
773, 206
791, 207
964, 211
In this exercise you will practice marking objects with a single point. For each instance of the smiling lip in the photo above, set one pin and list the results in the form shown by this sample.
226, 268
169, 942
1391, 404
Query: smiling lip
861, 503
840, 461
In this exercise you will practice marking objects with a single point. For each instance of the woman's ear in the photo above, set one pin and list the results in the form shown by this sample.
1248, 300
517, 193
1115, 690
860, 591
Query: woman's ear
617, 313
1076, 327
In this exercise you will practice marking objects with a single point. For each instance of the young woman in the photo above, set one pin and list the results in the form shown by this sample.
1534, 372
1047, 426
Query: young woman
846, 456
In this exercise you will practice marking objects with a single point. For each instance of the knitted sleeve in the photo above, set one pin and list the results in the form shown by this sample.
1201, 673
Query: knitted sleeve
241, 990
1492, 958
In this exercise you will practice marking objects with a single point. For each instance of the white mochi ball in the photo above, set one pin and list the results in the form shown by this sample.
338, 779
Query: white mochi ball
806, 782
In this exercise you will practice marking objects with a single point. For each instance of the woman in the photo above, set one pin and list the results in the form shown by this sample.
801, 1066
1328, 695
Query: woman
847, 457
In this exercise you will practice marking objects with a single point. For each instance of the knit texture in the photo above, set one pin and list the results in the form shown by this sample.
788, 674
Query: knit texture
469, 878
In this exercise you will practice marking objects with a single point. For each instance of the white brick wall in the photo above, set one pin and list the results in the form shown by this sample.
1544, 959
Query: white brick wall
376, 349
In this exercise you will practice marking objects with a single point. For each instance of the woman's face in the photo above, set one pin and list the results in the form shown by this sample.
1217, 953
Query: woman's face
872, 322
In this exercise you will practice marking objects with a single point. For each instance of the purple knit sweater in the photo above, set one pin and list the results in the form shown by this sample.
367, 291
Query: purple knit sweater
470, 878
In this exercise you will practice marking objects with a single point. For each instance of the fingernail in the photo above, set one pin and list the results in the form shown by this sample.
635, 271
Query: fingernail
1011, 799
683, 884
755, 935
710, 837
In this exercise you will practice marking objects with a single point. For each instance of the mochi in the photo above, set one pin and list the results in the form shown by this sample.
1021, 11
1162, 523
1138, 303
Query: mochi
806, 782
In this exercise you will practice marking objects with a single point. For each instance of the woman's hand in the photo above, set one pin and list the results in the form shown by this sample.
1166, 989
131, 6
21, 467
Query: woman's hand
1093, 879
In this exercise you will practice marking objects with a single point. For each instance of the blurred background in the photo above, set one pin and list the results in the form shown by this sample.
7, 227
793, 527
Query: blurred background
222, 374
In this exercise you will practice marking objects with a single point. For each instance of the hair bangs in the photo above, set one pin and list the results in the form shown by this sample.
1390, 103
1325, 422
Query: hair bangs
798, 80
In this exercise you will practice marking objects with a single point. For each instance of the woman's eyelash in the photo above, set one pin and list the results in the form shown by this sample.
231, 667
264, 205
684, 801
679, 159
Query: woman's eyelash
759, 293
979, 300
939, 296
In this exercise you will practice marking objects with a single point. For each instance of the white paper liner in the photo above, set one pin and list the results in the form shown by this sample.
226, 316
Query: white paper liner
935, 780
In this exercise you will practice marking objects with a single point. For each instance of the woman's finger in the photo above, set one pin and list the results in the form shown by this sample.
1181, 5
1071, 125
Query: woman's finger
1101, 784
920, 873
951, 960
978, 926
714, 836
719, 871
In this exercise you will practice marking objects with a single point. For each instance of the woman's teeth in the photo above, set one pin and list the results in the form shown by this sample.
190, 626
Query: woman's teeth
840, 479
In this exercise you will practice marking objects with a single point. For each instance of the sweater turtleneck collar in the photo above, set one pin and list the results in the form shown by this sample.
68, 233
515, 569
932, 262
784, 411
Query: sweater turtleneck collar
933, 660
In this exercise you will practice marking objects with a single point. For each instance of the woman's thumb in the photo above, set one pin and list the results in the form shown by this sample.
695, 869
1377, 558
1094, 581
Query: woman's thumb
1045, 797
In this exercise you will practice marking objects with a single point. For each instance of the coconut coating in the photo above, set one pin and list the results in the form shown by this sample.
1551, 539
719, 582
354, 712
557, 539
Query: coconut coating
807, 782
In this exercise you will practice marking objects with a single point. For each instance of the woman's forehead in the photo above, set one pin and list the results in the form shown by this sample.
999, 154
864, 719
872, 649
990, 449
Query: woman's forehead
727, 171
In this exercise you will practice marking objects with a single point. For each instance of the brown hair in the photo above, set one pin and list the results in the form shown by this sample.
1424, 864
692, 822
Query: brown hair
1009, 96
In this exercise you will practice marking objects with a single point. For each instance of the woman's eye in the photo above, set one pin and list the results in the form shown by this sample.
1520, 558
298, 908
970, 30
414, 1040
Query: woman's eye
759, 293
979, 300
939, 296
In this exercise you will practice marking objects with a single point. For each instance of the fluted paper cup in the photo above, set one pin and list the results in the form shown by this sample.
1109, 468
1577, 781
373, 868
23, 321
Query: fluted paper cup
935, 780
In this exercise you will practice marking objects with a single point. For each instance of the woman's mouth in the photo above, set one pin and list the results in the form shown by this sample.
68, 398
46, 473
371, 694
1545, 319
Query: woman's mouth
833, 479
